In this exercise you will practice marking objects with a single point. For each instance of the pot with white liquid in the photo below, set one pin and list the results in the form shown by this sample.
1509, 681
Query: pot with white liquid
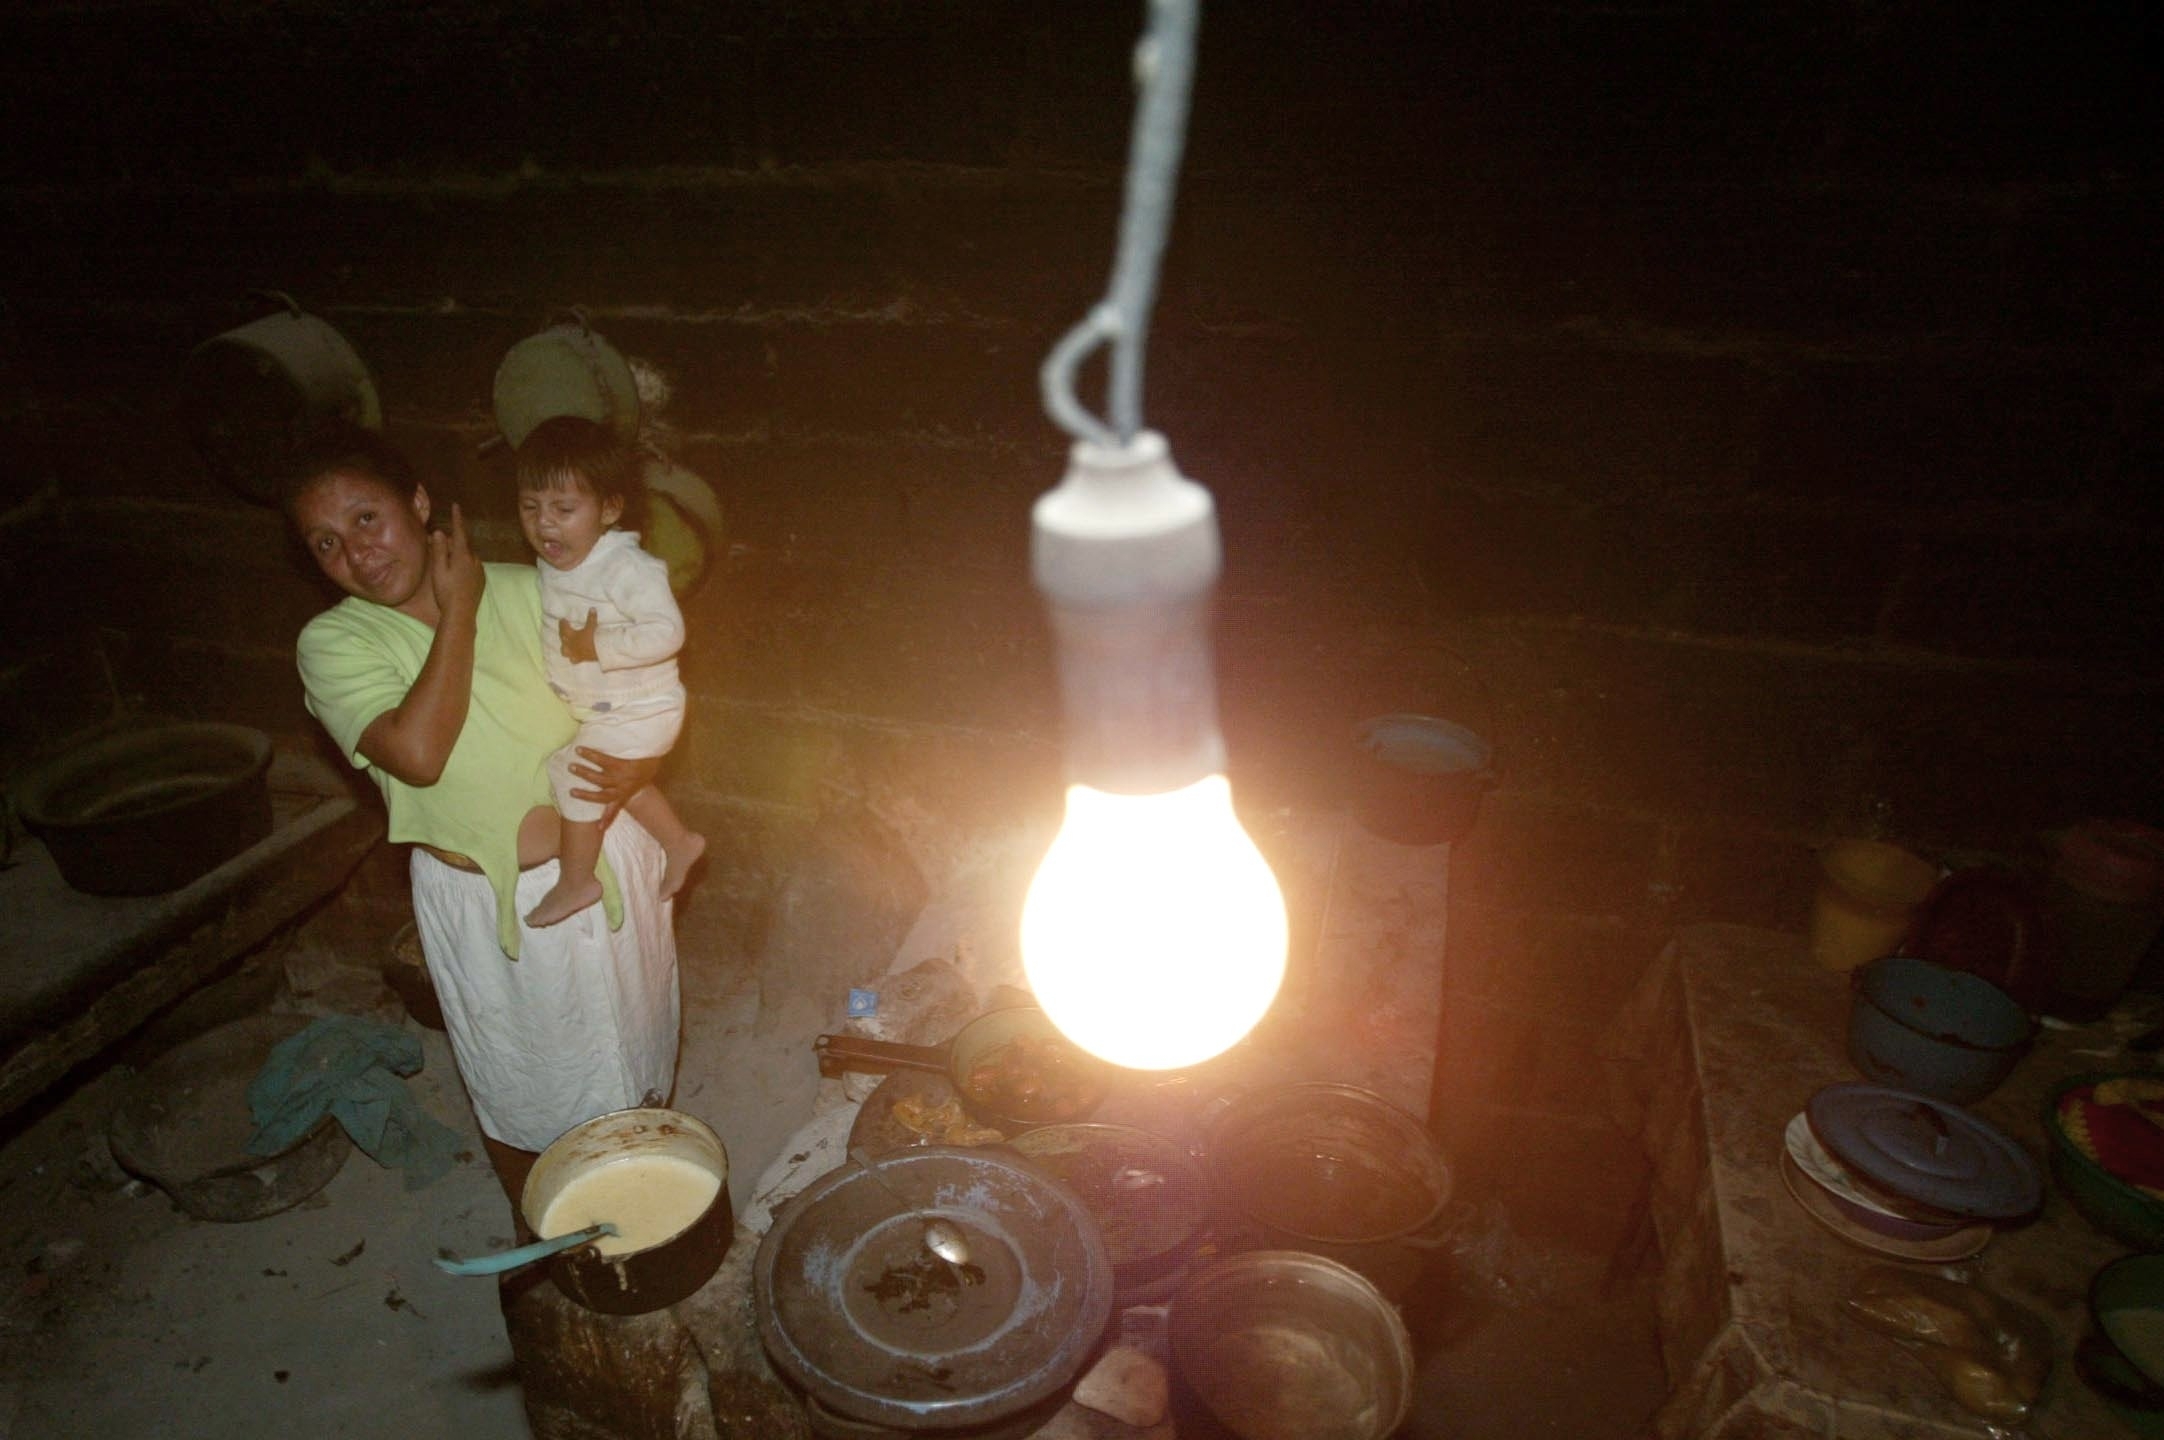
661, 1177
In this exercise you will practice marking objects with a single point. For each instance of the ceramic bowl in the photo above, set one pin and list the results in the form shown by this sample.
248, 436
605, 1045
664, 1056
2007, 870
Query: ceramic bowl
2120, 1210
2122, 1357
1945, 1033
1853, 1199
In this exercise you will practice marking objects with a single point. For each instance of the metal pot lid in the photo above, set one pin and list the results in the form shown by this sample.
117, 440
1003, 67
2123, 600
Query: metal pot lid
1926, 1150
853, 1307
1147, 1194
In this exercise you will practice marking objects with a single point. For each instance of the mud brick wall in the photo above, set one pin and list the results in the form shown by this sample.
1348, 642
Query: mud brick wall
1746, 416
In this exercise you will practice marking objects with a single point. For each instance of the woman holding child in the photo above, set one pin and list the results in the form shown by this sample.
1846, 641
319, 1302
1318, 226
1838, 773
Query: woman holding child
430, 675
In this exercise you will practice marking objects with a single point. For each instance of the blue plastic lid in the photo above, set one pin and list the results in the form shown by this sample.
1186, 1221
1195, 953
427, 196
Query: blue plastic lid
1424, 745
1926, 1150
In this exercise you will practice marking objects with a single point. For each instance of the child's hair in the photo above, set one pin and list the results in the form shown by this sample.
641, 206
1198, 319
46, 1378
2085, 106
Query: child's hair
571, 449
330, 446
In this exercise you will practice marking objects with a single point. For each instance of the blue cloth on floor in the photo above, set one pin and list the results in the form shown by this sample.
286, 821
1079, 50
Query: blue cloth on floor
351, 1068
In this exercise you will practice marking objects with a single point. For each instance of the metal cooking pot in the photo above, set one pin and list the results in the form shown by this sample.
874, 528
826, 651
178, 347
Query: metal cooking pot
246, 395
855, 1310
1011, 1069
566, 369
1920, 1026
1286, 1346
151, 808
1334, 1170
662, 1272
1146, 1193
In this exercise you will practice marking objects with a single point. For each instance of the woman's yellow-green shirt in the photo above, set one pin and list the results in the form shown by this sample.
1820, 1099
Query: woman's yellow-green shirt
357, 661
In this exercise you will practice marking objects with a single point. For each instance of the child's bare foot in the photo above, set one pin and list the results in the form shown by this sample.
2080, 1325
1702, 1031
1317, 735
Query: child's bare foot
567, 899
682, 855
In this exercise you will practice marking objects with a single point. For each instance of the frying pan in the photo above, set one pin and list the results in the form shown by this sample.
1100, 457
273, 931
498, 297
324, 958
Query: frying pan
1078, 1082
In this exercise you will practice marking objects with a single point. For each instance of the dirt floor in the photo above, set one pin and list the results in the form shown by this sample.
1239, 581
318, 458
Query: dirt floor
124, 1317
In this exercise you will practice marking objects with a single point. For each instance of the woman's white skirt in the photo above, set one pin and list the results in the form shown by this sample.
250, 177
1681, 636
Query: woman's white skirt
583, 1022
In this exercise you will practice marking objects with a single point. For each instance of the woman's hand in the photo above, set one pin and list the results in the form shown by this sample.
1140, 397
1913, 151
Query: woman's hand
413, 740
454, 570
613, 779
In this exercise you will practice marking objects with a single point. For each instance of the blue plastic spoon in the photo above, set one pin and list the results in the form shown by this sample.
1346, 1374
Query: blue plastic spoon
525, 1254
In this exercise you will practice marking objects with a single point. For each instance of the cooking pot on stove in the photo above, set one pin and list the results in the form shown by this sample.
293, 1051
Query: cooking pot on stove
1149, 1197
1011, 1068
856, 1311
1333, 1170
668, 1258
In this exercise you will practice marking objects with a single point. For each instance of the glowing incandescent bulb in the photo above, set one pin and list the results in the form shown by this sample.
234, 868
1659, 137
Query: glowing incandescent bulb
1154, 933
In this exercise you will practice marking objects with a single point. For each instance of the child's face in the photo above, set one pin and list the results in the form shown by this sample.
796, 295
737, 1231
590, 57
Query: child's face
563, 522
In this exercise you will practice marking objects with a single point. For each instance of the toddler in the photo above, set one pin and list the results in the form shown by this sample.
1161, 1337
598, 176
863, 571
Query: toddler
610, 631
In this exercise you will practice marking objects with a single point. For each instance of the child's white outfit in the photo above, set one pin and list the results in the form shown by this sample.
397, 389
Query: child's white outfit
629, 701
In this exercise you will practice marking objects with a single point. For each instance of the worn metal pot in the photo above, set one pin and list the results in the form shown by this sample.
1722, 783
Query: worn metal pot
247, 394
1333, 1170
1919, 1026
566, 369
1011, 1068
147, 810
856, 1311
1286, 1346
1146, 1193
644, 1152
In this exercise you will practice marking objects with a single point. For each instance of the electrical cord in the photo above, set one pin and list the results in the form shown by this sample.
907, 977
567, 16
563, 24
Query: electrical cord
1164, 71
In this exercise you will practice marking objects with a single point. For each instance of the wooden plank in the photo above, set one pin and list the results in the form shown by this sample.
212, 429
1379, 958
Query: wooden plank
301, 863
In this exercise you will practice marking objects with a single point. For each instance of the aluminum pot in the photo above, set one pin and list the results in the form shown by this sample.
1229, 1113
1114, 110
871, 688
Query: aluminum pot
673, 1262
566, 369
1287, 1346
246, 395
1333, 1170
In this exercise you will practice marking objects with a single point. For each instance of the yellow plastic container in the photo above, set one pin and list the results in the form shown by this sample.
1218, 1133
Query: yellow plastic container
1868, 894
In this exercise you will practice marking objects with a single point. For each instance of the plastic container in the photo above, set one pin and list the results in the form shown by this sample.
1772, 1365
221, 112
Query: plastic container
1422, 780
1868, 895
2105, 897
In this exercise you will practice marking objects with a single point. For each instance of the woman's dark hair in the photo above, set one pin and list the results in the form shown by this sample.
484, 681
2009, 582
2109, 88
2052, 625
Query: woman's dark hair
330, 446
571, 449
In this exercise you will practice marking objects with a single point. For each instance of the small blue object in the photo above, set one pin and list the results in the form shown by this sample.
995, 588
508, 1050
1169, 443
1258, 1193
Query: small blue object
525, 1254
862, 1003
1926, 1150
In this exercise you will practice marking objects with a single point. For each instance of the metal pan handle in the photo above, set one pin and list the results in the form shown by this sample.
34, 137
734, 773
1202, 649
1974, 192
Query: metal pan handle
842, 1053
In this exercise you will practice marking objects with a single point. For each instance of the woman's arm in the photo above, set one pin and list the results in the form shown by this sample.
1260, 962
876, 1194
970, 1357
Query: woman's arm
413, 739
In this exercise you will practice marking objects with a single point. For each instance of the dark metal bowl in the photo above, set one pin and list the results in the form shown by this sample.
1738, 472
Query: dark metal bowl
147, 810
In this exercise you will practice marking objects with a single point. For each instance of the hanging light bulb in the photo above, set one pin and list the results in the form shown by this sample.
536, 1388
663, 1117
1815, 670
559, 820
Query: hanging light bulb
1154, 933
